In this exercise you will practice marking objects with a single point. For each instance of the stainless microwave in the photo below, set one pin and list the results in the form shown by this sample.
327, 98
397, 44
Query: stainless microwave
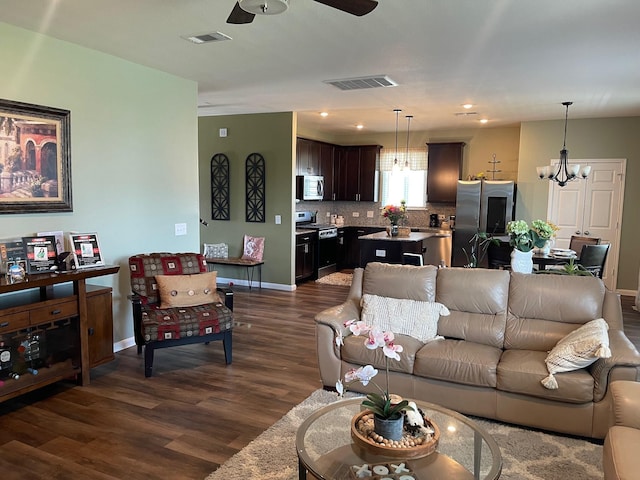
310, 187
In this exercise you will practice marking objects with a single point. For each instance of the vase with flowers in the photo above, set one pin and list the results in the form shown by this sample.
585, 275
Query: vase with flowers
395, 214
387, 408
524, 239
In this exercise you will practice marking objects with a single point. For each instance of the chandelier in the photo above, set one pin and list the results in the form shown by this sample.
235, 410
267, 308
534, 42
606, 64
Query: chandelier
563, 172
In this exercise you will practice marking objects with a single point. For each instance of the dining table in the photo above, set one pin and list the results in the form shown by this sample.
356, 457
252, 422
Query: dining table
543, 260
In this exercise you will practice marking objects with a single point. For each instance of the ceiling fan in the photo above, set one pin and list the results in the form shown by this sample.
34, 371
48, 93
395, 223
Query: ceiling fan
244, 11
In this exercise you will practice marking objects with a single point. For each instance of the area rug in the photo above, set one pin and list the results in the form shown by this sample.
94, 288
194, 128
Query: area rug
526, 454
337, 278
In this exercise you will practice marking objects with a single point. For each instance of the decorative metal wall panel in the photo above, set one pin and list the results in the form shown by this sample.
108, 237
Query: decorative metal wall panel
220, 206
255, 184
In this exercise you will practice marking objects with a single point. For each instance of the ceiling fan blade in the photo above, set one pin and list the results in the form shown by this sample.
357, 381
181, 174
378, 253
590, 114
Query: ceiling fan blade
239, 16
354, 7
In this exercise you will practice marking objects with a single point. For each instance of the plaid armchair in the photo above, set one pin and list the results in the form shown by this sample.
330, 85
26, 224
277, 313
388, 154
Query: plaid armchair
176, 302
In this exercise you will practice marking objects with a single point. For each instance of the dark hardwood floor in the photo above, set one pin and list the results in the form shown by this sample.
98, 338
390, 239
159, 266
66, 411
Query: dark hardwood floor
193, 414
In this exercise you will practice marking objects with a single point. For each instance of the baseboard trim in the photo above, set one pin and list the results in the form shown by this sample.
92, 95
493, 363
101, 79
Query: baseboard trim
123, 344
256, 283
629, 293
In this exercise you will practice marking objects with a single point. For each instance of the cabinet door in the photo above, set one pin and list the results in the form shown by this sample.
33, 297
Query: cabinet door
445, 167
368, 174
303, 155
100, 325
326, 169
348, 186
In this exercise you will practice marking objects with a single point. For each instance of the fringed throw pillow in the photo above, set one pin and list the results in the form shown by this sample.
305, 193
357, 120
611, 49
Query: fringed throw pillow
578, 349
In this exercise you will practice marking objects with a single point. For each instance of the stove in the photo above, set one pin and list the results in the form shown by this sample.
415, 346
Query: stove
327, 247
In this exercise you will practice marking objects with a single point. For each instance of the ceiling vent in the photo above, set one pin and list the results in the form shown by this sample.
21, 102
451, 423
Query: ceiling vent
206, 38
465, 114
360, 83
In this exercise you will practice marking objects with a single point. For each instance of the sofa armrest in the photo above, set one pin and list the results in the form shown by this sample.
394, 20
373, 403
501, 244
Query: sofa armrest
335, 317
626, 403
623, 355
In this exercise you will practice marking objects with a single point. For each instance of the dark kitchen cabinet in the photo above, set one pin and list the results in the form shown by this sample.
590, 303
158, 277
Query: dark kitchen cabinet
316, 158
444, 170
356, 173
326, 167
352, 244
305, 256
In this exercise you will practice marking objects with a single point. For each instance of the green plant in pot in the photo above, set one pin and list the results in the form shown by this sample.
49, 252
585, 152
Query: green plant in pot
388, 417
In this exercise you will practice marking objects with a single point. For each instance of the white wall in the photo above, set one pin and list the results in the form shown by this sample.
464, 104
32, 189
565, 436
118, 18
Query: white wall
134, 150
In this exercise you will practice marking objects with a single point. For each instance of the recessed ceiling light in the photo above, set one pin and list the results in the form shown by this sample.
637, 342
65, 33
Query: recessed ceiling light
467, 106
324, 114
483, 120
359, 126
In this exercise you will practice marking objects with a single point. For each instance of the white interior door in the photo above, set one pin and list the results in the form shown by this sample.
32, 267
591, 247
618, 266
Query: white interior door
591, 208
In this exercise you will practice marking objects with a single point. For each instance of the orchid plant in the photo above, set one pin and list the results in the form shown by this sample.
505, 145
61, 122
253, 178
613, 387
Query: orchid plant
379, 403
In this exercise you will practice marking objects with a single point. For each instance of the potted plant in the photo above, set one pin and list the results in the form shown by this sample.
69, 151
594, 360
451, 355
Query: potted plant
388, 419
524, 239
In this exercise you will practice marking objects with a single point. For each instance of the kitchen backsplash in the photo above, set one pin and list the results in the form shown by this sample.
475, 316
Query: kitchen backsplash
367, 214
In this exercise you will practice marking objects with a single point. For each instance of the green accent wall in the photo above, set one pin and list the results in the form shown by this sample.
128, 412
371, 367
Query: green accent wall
272, 136
133, 151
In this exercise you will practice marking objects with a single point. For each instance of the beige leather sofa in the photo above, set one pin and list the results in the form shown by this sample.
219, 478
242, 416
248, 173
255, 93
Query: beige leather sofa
497, 336
620, 458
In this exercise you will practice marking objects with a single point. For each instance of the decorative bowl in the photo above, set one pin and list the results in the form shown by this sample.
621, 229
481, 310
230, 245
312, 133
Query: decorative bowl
427, 447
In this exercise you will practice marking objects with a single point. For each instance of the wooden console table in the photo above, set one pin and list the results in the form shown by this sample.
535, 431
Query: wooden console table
76, 319
240, 262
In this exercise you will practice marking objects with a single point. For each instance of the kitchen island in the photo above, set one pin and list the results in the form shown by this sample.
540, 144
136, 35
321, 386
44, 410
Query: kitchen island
379, 247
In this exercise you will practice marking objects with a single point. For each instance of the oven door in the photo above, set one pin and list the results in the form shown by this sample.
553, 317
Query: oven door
327, 256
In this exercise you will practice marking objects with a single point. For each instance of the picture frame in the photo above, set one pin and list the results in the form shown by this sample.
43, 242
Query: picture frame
86, 251
40, 252
35, 165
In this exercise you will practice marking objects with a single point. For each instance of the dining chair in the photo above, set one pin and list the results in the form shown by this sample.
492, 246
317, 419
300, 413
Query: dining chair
593, 257
499, 255
576, 243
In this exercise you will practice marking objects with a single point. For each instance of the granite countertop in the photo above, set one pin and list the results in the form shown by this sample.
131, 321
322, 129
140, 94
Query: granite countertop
413, 237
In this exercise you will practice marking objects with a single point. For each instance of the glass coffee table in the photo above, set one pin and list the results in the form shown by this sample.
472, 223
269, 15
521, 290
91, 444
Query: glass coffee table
326, 451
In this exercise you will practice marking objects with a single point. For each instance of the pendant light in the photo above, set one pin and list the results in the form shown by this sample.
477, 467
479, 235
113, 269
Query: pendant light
564, 172
407, 166
396, 165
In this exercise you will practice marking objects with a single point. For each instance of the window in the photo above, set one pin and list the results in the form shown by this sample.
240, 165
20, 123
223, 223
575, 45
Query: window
402, 184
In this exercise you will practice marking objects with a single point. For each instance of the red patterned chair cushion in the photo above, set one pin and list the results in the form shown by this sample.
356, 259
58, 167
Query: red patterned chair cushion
175, 323
144, 268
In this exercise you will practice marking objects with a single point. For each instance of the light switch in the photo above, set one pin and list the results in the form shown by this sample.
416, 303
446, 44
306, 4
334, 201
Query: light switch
278, 219
223, 132
181, 229
356, 214
369, 213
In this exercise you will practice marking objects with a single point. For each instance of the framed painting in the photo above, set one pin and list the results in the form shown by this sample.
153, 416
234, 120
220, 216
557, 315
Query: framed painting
35, 158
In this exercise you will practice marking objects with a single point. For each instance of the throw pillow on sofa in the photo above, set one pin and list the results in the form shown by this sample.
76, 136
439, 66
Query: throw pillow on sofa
403, 316
187, 290
578, 349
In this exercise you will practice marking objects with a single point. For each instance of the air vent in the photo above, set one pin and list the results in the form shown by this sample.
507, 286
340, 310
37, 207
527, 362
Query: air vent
206, 38
465, 114
360, 83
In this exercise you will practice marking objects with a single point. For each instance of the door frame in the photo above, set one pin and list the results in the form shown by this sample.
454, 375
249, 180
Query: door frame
613, 255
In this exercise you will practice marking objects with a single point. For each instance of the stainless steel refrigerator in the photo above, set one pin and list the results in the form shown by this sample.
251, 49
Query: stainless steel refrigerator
481, 206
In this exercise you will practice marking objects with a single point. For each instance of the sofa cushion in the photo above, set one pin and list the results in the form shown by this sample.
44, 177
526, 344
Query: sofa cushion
477, 299
354, 351
520, 371
459, 362
187, 290
539, 314
400, 315
578, 349
400, 281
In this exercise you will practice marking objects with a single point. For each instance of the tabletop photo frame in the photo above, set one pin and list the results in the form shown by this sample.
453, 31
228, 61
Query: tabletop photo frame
35, 165
85, 248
